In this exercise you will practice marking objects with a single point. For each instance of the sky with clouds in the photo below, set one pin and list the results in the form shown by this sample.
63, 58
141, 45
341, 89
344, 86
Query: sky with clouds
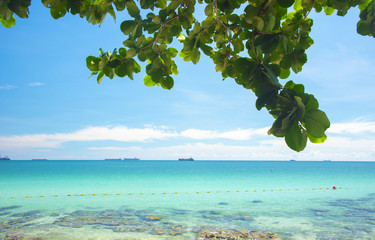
50, 108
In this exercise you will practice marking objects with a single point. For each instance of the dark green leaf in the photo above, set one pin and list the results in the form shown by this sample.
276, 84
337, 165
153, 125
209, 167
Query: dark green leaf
296, 137
167, 83
285, 3
92, 63
121, 70
128, 26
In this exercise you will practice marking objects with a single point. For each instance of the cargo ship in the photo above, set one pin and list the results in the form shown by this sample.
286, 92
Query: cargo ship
131, 159
185, 159
5, 158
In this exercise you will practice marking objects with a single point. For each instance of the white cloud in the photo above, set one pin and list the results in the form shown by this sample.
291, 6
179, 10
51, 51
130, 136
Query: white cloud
346, 141
7, 87
336, 149
239, 134
36, 84
355, 127
117, 133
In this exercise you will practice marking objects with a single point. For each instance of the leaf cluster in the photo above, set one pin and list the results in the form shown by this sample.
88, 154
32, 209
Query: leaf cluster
256, 42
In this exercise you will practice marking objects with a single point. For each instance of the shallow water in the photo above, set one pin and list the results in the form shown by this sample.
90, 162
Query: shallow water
175, 200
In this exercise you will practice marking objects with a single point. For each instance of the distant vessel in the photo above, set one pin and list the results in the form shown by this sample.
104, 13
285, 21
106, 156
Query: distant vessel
327, 160
112, 159
5, 158
292, 160
39, 159
185, 159
131, 159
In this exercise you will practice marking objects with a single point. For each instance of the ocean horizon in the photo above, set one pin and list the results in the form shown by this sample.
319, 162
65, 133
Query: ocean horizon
156, 199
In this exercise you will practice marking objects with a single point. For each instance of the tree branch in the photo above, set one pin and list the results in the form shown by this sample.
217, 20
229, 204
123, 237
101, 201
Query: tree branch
163, 26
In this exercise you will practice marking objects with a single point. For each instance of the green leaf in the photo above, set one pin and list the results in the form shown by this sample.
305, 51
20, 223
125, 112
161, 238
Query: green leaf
128, 26
209, 9
317, 140
258, 23
312, 102
328, 10
8, 23
272, 77
300, 108
92, 63
131, 52
161, 3
284, 74
167, 83
100, 77
58, 12
19, 7
172, 52
285, 3
195, 56
121, 70
147, 80
108, 71
296, 137
268, 42
133, 10
363, 28
316, 122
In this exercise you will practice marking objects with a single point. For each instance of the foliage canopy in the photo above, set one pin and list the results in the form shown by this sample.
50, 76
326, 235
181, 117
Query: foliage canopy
254, 42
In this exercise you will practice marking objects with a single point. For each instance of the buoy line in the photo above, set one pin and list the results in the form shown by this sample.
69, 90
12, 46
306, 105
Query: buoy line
170, 193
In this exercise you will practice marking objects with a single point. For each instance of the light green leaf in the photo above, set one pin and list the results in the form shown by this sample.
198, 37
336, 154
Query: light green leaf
147, 80
317, 140
316, 122
328, 10
8, 23
100, 77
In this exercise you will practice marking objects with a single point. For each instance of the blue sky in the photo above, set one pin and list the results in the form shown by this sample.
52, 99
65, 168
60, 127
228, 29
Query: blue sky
51, 109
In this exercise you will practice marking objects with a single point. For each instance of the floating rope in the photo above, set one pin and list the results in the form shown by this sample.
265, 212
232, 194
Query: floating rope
165, 193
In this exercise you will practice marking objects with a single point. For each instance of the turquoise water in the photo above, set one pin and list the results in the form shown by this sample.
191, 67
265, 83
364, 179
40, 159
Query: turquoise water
176, 200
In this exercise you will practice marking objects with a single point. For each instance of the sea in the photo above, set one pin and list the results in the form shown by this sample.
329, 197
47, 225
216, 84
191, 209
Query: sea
182, 199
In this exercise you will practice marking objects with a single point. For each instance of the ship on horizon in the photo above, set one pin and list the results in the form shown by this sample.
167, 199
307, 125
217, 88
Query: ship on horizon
185, 159
5, 158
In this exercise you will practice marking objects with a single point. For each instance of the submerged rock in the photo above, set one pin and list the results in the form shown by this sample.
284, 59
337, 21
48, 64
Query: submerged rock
174, 233
157, 232
152, 218
14, 236
9, 208
237, 234
26, 214
235, 217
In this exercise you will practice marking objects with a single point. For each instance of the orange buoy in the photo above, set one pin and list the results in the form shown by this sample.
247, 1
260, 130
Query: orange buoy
334, 187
